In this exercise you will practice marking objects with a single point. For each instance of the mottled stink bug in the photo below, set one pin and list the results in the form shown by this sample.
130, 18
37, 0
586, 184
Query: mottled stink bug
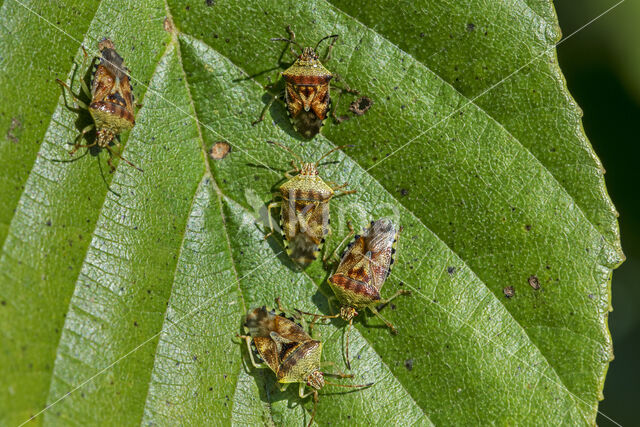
112, 102
283, 345
363, 269
307, 89
304, 208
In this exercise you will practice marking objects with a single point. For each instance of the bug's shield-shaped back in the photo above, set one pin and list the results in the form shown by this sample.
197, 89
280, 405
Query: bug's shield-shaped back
112, 98
275, 337
305, 224
365, 265
308, 106
380, 239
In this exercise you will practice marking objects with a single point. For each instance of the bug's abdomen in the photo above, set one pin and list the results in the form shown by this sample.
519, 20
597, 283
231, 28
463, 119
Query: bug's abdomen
113, 117
305, 225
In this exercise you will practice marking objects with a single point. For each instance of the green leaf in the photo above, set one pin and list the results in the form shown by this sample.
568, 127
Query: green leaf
121, 294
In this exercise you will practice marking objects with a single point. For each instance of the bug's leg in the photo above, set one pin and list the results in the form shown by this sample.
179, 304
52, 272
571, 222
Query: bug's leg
281, 386
80, 103
317, 316
270, 206
247, 339
292, 37
294, 169
118, 155
347, 344
340, 90
339, 373
304, 395
386, 322
315, 404
346, 88
335, 187
400, 292
335, 107
76, 143
334, 255
263, 113
296, 314
344, 193
327, 56
83, 84
78, 146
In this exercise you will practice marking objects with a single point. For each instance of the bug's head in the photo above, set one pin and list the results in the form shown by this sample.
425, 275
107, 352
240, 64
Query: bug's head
308, 55
309, 169
316, 380
104, 137
347, 313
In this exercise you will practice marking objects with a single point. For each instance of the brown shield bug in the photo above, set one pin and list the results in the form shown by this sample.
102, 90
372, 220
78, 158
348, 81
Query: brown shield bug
304, 208
112, 101
307, 92
294, 357
363, 269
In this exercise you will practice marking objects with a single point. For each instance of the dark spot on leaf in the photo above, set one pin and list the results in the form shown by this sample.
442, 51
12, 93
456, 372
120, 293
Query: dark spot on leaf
471, 26
187, 7
135, 323
168, 25
404, 191
509, 292
210, 388
534, 282
527, 227
11, 135
210, 2
408, 364
451, 270
48, 223
360, 105
3, 302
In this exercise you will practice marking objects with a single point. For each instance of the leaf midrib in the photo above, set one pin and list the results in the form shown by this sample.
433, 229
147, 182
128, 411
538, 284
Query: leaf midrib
373, 179
219, 193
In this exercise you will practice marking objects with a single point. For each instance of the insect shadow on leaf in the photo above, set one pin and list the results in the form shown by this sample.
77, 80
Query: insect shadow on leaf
306, 91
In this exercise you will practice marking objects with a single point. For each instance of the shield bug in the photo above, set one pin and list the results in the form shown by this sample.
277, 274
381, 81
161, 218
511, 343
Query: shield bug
112, 102
363, 269
307, 92
284, 346
304, 208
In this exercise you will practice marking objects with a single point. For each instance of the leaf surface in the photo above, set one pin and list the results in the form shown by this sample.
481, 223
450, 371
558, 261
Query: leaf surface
130, 287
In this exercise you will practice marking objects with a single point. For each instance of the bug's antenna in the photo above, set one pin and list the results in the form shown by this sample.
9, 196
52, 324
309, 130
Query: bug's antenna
332, 150
288, 150
282, 39
118, 155
335, 36
347, 346
349, 385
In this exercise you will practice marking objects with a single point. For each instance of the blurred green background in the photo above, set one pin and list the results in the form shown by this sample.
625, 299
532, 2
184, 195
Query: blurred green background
602, 66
